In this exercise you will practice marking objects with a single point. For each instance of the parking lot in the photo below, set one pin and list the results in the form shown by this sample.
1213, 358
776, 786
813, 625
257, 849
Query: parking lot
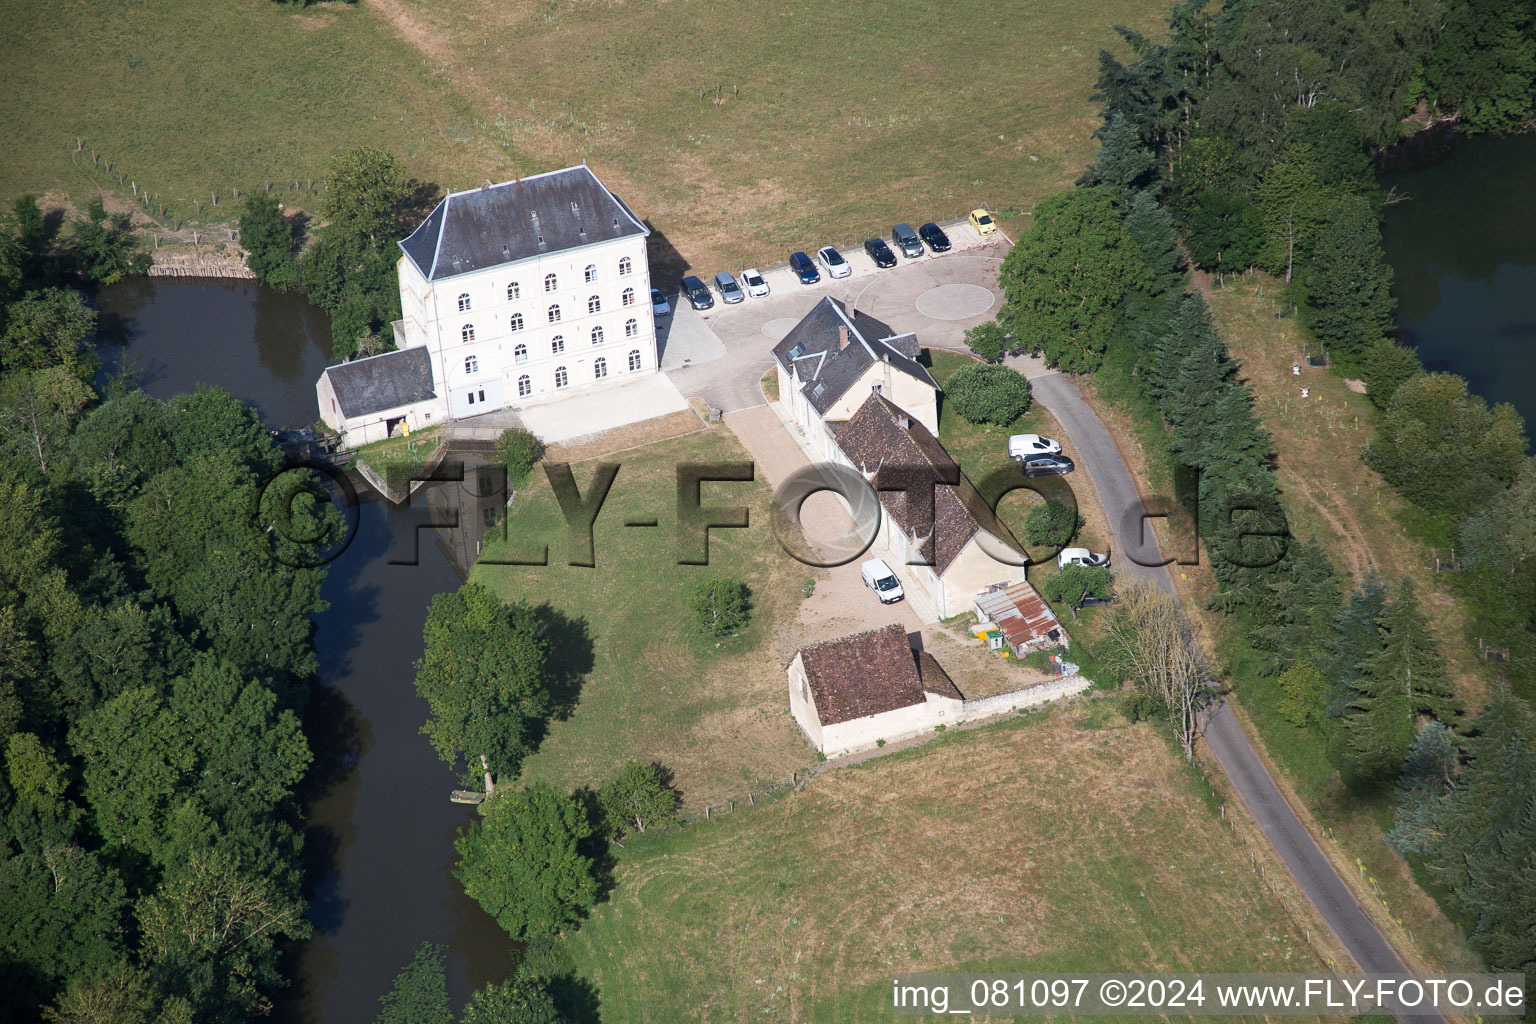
720, 354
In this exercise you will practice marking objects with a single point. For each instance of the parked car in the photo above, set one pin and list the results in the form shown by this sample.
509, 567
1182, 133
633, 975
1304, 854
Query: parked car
905, 239
1081, 556
659, 304
832, 261
982, 221
1020, 445
730, 291
698, 293
804, 269
1044, 465
879, 578
934, 235
877, 250
752, 280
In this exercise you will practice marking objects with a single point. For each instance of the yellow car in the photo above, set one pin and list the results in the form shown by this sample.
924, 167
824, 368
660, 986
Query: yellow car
982, 221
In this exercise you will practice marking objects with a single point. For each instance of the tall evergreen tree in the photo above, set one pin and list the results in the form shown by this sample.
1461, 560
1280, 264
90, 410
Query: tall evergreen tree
1428, 774
1348, 284
1409, 657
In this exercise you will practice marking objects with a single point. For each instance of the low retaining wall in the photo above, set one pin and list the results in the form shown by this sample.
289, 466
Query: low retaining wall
396, 495
1000, 703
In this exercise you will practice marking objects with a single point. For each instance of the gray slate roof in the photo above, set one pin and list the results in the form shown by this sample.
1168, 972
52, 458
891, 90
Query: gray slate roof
498, 224
824, 373
387, 381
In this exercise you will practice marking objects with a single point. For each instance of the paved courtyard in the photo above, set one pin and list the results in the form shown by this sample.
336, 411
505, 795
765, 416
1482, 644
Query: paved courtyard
720, 354
565, 417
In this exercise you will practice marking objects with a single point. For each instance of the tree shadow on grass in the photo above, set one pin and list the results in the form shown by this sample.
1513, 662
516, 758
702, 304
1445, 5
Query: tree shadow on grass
571, 656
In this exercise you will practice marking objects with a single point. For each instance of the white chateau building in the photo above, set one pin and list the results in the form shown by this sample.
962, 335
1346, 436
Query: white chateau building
511, 294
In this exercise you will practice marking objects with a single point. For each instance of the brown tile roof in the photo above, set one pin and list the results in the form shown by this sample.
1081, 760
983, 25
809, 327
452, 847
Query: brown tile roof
870, 673
880, 434
1019, 611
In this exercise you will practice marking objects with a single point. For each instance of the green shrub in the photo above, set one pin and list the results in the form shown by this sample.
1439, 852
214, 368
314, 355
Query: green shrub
1306, 693
518, 450
719, 607
1068, 585
1051, 522
986, 393
987, 340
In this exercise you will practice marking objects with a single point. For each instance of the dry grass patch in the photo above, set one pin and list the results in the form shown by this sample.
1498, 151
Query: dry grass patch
831, 122
1066, 839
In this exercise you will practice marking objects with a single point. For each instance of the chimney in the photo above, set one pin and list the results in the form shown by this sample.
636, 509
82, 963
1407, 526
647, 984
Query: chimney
842, 338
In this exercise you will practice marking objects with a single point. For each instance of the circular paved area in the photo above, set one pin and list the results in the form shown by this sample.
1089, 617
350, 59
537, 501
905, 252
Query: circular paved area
774, 330
954, 301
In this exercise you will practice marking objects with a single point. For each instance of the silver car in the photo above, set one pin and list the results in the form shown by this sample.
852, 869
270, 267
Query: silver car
730, 291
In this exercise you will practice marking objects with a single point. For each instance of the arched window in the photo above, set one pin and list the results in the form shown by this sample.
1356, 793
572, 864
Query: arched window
524, 386
628, 298
597, 335
467, 332
561, 377
631, 328
625, 266
463, 301
551, 282
557, 344
471, 365
517, 321
554, 314
513, 292
594, 305
591, 274
520, 354
600, 369
634, 359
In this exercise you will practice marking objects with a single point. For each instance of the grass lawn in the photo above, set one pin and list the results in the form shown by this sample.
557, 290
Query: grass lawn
401, 453
982, 449
717, 714
834, 121
1064, 839
1333, 499
189, 97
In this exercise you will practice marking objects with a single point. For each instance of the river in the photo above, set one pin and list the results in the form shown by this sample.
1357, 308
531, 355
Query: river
1463, 246
380, 827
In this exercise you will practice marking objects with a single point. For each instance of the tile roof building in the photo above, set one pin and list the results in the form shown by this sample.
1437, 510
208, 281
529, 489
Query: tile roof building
516, 293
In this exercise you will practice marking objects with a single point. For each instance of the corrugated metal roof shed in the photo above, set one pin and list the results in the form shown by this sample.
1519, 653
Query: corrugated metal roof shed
1019, 611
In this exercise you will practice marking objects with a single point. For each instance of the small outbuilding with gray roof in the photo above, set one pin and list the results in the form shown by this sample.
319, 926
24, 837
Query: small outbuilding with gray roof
366, 399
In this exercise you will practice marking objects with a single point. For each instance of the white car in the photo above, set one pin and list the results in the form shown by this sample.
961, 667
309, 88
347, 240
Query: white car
752, 281
832, 262
879, 578
1021, 445
1081, 556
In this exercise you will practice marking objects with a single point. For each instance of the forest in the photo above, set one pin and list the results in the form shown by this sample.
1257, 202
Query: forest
1247, 138
155, 659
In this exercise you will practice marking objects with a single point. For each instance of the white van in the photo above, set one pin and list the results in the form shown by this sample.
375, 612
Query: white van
1081, 556
1020, 446
879, 578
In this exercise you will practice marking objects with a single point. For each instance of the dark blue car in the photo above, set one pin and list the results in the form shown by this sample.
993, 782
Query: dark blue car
804, 269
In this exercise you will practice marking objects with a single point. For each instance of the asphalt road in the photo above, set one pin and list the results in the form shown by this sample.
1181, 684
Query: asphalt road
1223, 735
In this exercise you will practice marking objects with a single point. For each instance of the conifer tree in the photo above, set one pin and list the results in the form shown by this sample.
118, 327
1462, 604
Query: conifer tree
1429, 771
1409, 656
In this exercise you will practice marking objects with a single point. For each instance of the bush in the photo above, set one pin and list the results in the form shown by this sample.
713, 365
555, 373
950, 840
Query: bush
987, 340
1306, 693
1068, 585
1385, 366
639, 798
518, 450
719, 607
1051, 522
987, 393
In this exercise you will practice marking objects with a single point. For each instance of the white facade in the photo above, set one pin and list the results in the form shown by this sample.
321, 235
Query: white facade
502, 336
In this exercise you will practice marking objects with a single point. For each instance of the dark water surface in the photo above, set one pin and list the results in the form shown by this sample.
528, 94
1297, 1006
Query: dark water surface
1463, 247
380, 827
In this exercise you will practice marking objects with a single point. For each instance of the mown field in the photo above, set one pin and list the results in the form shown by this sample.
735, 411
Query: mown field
834, 120
714, 712
191, 97
1065, 839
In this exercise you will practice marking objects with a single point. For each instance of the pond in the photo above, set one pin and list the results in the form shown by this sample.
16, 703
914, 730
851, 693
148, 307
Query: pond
1462, 242
379, 838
